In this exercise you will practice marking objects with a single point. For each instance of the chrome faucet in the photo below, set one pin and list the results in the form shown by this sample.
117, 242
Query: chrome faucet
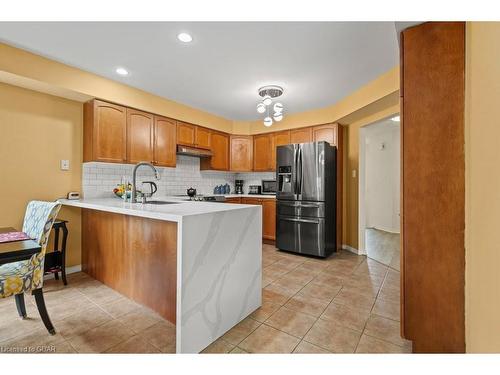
133, 198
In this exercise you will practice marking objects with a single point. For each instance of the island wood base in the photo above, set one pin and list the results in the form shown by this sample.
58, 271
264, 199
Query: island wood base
133, 255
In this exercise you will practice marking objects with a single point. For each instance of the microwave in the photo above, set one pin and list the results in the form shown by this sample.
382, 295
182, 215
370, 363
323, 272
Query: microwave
268, 186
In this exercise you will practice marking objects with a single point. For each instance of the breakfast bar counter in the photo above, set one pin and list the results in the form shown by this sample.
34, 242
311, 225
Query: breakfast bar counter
198, 264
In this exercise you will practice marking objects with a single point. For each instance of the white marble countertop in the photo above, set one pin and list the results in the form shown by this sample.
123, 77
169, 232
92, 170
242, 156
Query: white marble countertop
168, 212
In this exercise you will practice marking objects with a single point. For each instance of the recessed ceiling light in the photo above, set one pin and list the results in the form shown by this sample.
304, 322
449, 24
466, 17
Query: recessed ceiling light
395, 118
185, 37
122, 71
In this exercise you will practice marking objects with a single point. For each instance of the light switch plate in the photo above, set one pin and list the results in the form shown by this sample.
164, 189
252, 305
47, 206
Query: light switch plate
64, 165
353, 173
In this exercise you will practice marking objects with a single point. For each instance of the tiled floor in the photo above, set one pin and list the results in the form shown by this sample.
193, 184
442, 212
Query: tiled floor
383, 247
344, 304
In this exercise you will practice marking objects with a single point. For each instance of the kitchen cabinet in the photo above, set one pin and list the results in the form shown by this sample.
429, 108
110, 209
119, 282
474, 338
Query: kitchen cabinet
301, 135
241, 153
186, 133
104, 132
139, 136
327, 133
262, 148
233, 200
202, 137
278, 139
268, 215
220, 153
165, 142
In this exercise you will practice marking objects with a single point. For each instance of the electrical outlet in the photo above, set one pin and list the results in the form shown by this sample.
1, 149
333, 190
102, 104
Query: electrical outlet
64, 165
353, 173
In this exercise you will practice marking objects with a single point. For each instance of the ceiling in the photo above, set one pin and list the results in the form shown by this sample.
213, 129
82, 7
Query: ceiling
317, 63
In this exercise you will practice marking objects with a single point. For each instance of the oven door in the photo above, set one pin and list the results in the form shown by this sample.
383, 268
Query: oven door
299, 234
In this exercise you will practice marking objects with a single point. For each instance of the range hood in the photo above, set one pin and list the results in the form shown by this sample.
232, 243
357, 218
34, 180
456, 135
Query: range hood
193, 151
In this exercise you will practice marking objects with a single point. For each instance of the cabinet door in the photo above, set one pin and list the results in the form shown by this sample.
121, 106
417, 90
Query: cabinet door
303, 135
269, 218
278, 139
185, 134
165, 141
262, 146
220, 152
233, 200
109, 133
327, 133
139, 136
245, 200
241, 153
202, 137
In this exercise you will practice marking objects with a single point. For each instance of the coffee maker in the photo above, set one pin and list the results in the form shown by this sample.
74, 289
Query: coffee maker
238, 186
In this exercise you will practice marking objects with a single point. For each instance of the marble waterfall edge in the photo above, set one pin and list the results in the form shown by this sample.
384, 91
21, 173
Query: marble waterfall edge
219, 275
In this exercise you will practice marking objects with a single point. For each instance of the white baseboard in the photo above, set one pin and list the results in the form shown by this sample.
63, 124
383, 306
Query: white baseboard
351, 249
69, 270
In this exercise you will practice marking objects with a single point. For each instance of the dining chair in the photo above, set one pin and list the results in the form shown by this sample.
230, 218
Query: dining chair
17, 278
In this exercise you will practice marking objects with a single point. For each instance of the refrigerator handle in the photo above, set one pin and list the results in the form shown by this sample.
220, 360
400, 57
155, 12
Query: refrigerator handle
294, 174
301, 171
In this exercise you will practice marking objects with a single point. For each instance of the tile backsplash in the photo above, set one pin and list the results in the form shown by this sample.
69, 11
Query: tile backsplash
99, 179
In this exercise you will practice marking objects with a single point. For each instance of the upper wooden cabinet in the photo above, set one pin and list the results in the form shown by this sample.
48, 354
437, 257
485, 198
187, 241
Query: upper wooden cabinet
302, 135
186, 133
241, 153
104, 132
278, 139
220, 153
327, 133
139, 136
262, 148
165, 142
202, 137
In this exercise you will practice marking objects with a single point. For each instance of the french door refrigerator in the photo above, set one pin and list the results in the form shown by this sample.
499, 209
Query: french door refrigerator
306, 198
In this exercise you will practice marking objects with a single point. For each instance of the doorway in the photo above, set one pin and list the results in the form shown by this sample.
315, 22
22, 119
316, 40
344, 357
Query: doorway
379, 191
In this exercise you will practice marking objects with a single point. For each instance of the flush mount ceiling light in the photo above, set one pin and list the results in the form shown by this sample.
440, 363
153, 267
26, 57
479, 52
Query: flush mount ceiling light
185, 37
121, 71
396, 118
268, 94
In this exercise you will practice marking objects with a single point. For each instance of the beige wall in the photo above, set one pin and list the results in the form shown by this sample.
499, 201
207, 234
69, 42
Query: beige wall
37, 131
482, 147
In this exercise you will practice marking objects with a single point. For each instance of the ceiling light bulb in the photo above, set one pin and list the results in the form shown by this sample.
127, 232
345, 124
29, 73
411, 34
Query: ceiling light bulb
185, 37
122, 71
278, 117
396, 118
267, 100
278, 108
268, 121
261, 108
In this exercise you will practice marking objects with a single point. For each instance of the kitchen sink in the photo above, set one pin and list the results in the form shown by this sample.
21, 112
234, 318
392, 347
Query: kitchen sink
160, 202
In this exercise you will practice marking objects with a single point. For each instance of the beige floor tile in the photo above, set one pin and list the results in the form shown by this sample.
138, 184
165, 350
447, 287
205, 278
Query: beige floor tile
276, 294
301, 276
240, 331
101, 338
290, 321
81, 321
237, 350
333, 337
307, 348
140, 319
218, 347
384, 329
289, 261
265, 311
389, 294
346, 316
387, 309
313, 267
119, 307
307, 305
266, 339
161, 335
369, 344
31, 342
327, 279
322, 292
289, 283
134, 345
59, 309
102, 295
354, 299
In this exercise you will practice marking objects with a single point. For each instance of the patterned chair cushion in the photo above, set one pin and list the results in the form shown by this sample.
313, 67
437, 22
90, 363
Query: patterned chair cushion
20, 277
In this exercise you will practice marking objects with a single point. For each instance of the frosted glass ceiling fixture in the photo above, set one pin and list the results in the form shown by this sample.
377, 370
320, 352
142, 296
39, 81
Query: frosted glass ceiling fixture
268, 94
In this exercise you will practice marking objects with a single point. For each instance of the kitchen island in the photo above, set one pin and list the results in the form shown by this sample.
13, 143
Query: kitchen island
197, 264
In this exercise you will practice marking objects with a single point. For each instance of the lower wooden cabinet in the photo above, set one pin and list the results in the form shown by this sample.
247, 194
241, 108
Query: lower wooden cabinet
233, 200
268, 215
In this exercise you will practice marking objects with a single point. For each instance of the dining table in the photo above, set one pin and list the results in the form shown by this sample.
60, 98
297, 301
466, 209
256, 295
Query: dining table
16, 251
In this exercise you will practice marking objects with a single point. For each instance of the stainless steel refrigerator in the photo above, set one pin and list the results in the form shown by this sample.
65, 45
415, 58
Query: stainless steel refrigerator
306, 198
